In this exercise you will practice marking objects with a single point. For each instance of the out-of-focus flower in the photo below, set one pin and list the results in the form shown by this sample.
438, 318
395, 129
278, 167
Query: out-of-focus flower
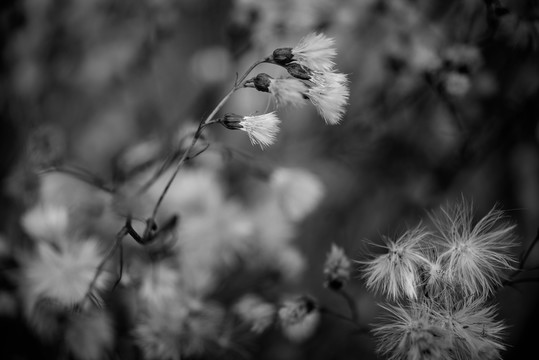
47, 223
299, 318
262, 129
413, 334
89, 336
159, 284
63, 274
254, 311
298, 191
396, 273
456, 84
336, 268
185, 328
314, 51
475, 257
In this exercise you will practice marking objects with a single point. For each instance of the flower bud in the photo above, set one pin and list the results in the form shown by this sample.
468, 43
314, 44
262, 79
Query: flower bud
232, 121
336, 269
282, 56
262, 82
298, 71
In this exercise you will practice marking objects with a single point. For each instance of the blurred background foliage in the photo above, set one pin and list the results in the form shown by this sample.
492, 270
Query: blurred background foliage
444, 103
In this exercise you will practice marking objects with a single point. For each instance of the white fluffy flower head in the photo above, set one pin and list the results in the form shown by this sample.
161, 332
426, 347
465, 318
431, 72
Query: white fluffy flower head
396, 273
314, 51
262, 129
475, 257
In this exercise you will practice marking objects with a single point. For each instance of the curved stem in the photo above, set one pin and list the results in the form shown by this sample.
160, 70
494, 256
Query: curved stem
351, 304
203, 123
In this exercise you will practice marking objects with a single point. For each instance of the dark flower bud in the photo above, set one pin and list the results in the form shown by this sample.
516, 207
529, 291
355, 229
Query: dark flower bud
232, 121
262, 82
283, 56
298, 71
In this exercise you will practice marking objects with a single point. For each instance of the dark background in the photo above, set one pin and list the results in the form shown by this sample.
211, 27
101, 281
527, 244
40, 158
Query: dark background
82, 80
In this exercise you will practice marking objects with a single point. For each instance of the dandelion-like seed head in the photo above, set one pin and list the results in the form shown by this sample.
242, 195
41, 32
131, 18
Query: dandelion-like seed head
412, 333
475, 332
475, 258
261, 129
337, 268
329, 94
314, 51
396, 273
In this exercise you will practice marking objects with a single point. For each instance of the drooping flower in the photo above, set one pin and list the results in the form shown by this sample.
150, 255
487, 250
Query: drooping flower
412, 333
336, 268
475, 257
262, 129
396, 274
314, 51
329, 95
285, 91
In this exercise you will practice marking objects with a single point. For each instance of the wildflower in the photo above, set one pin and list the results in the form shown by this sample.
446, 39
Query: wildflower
63, 274
262, 129
337, 268
474, 257
256, 312
329, 95
299, 318
412, 333
475, 332
314, 51
285, 91
298, 191
89, 336
396, 273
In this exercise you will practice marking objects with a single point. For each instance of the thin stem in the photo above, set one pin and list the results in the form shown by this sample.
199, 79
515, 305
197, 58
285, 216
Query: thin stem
351, 304
326, 311
203, 123
109, 254
81, 175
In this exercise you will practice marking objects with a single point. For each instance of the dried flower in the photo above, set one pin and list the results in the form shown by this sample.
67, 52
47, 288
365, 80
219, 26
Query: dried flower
285, 91
262, 129
475, 257
329, 95
254, 311
396, 273
475, 332
314, 51
412, 333
336, 268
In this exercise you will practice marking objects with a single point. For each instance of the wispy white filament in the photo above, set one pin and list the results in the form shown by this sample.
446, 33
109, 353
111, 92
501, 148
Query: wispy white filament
262, 129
